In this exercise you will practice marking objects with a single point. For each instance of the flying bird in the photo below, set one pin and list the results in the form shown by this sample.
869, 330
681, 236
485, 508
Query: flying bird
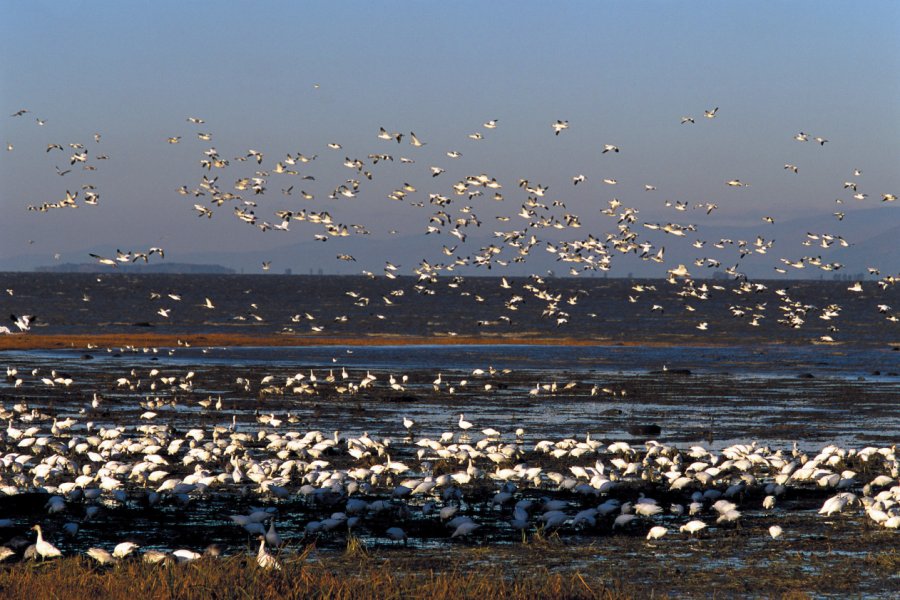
23, 322
104, 261
386, 135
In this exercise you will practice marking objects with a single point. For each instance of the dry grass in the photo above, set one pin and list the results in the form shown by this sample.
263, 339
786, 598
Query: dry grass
353, 576
541, 568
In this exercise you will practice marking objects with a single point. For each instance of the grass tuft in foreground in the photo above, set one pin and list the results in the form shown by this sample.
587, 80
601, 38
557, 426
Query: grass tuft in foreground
240, 577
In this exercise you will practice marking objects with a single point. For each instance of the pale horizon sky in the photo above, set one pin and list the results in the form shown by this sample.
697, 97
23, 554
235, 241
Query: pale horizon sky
282, 78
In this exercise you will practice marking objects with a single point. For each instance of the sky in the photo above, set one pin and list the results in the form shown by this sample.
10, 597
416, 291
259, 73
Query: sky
286, 78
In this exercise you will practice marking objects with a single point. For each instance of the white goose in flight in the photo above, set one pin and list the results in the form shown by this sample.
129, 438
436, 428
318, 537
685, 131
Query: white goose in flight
104, 261
23, 322
387, 135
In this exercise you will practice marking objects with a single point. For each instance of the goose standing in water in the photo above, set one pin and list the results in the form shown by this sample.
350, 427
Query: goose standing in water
464, 425
272, 537
396, 534
692, 527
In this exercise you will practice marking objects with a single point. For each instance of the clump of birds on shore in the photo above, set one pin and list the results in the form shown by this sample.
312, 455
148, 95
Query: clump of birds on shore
469, 483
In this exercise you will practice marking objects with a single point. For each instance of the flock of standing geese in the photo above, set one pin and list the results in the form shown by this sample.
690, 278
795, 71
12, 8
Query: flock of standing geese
469, 482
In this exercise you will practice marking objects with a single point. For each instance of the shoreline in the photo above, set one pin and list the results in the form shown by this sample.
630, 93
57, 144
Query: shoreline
86, 341
166, 340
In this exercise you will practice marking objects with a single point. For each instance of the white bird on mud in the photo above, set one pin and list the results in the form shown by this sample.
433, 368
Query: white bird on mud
837, 503
692, 527
465, 528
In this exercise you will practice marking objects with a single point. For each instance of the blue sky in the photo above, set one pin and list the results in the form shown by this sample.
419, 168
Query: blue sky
619, 72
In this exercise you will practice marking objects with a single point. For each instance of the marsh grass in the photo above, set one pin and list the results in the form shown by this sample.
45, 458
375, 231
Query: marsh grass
542, 568
356, 548
352, 576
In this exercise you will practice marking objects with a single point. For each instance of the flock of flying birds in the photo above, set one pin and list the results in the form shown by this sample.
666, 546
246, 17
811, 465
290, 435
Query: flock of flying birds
467, 482
452, 212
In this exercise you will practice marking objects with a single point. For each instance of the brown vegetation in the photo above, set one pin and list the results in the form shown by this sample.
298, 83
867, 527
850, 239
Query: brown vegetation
543, 568
239, 577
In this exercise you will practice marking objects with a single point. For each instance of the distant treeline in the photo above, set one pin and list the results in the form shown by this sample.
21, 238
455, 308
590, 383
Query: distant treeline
135, 268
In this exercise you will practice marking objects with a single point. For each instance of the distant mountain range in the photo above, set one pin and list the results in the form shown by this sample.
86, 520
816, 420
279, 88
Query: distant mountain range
872, 239
168, 268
